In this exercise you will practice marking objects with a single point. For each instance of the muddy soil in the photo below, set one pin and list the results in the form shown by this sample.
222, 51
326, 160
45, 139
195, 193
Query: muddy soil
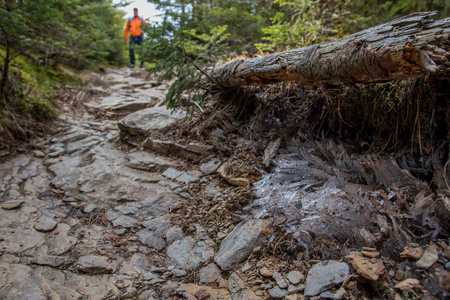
117, 206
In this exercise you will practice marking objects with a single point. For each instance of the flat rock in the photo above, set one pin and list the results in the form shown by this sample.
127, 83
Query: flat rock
188, 253
38, 154
245, 295
295, 288
45, 224
278, 293
145, 120
295, 277
174, 233
90, 208
124, 221
210, 166
49, 260
239, 244
169, 289
194, 291
369, 268
235, 283
281, 282
151, 239
429, 257
325, 275
338, 294
12, 204
209, 274
265, 272
93, 264
179, 272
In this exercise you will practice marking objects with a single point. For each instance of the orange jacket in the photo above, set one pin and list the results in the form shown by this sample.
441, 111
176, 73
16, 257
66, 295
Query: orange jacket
134, 27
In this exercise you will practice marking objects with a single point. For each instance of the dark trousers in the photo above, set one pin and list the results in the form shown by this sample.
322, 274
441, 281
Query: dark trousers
134, 40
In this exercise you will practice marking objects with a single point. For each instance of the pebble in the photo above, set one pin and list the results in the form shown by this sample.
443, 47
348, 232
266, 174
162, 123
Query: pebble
158, 269
209, 274
45, 224
179, 272
93, 264
281, 282
338, 294
429, 257
325, 275
278, 293
169, 289
295, 277
38, 154
296, 288
12, 204
235, 283
265, 272
90, 208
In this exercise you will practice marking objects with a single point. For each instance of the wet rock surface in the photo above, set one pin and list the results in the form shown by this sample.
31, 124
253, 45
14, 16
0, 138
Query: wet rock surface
88, 216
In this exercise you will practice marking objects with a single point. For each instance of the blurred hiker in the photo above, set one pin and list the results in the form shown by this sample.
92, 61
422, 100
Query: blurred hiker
133, 26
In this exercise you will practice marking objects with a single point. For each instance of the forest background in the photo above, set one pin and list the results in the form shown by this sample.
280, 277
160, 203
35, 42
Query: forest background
45, 44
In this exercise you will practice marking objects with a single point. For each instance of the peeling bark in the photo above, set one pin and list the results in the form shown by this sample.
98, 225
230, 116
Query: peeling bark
408, 47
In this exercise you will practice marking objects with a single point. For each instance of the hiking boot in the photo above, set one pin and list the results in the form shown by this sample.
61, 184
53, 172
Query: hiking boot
131, 66
141, 65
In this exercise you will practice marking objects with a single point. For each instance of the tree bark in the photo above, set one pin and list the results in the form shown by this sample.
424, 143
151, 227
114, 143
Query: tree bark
408, 47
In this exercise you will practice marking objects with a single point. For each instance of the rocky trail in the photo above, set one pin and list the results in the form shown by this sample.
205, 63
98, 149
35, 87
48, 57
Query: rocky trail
105, 211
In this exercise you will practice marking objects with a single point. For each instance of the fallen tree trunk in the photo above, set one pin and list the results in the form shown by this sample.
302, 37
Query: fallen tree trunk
408, 47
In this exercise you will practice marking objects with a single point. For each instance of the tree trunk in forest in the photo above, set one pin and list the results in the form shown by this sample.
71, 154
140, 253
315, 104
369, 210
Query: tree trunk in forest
408, 47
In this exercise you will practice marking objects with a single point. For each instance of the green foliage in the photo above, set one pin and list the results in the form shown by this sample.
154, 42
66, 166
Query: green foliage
244, 19
300, 23
173, 55
36, 37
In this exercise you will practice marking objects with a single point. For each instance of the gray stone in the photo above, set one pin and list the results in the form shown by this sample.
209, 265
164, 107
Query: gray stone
235, 283
49, 260
429, 257
150, 276
149, 238
147, 161
146, 120
324, 275
12, 204
210, 167
45, 224
38, 154
280, 280
92, 264
209, 274
339, 294
172, 173
124, 221
174, 233
295, 277
136, 265
278, 293
239, 244
90, 208
169, 289
296, 288
188, 253
179, 272
187, 177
